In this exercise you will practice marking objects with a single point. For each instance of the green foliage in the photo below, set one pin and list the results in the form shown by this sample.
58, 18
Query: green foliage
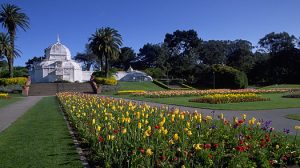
126, 56
11, 18
106, 81
228, 77
106, 42
154, 72
101, 74
12, 81
18, 72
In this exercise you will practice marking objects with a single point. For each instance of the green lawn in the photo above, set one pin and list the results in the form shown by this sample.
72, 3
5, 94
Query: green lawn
276, 102
292, 86
14, 98
293, 116
39, 138
150, 86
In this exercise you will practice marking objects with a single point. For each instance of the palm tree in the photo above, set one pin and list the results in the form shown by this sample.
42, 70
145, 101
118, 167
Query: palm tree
106, 42
5, 47
11, 18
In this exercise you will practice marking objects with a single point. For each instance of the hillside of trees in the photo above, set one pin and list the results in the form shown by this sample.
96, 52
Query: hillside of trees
184, 55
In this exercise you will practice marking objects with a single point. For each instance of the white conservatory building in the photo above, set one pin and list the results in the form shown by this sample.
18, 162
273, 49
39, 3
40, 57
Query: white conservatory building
57, 66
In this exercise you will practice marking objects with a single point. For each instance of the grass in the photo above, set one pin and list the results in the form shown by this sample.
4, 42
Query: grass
39, 138
291, 86
147, 86
276, 102
293, 116
14, 98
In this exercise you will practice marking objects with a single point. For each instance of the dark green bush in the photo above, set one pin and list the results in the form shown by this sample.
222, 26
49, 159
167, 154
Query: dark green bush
228, 77
154, 72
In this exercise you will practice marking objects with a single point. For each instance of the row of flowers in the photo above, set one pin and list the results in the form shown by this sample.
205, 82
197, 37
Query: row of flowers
125, 92
125, 134
4, 95
229, 98
172, 93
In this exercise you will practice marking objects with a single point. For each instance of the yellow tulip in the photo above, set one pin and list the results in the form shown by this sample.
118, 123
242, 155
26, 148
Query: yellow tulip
98, 128
124, 131
244, 116
197, 147
149, 152
189, 133
297, 127
176, 137
221, 116
258, 124
139, 125
208, 118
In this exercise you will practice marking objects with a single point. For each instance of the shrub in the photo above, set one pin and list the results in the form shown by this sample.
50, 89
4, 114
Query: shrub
102, 73
13, 81
18, 72
106, 81
228, 77
154, 72
11, 89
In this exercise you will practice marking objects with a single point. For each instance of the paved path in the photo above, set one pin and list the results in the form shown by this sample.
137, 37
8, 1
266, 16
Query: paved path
277, 116
12, 112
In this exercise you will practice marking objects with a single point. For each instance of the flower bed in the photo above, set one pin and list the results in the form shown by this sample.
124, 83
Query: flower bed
125, 134
229, 98
295, 94
4, 96
173, 93
124, 92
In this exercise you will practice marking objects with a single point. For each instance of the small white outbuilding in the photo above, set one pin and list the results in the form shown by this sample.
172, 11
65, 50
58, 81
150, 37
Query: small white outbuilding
132, 75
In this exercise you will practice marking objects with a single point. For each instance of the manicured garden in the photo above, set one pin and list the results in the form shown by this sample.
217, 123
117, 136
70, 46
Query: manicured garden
275, 100
121, 133
39, 138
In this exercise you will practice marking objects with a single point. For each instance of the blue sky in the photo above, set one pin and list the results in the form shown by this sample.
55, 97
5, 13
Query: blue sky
147, 21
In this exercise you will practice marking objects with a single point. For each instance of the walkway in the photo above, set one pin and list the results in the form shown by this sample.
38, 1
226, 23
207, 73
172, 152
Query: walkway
12, 112
277, 116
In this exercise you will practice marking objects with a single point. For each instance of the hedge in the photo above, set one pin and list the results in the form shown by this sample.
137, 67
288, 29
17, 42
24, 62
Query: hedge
228, 77
13, 81
106, 81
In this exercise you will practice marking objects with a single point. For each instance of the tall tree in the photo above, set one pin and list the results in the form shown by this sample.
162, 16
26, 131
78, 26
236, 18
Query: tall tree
126, 56
214, 52
276, 42
183, 51
87, 57
30, 62
240, 55
11, 18
5, 48
106, 42
150, 56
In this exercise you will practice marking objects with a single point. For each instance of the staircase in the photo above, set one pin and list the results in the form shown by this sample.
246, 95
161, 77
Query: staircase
46, 89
